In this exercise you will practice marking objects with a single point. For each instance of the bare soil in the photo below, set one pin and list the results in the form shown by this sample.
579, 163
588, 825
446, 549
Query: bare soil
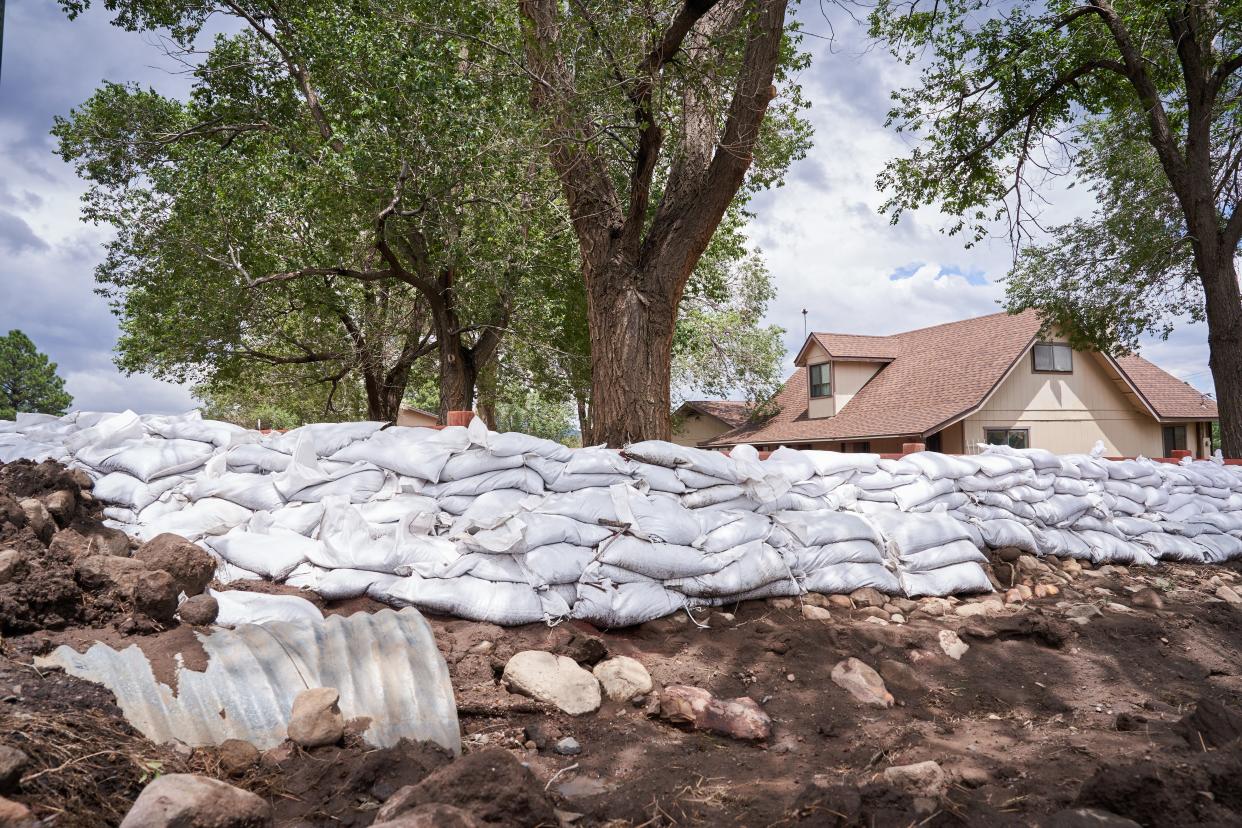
1134, 713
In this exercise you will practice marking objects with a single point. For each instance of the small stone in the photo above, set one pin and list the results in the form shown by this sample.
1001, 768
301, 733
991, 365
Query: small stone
873, 612
152, 592
62, 504
482, 648
1147, 598
72, 544
897, 618
979, 608
936, 606
816, 599
1088, 818
316, 718
622, 678
191, 566
879, 622
782, 603
1024, 592
104, 571
433, 815
790, 677
1228, 594
1009, 554
1115, 607
972, 776
105, 540
901, 675
1082, 611
554, 679
39, 519
1029, 563
1041, 591
868, 597
11, 565
739, 718
16, 815
184, 800
841, 601
13, 764
904, 605
237, 756
199, 610
1012, 596
813, 613
568, 747
921, 778
952, 645
862, 682
1051, 589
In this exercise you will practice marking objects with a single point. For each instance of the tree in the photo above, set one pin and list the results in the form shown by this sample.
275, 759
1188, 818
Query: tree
28, 380
346, 191
657, 119
1011, 94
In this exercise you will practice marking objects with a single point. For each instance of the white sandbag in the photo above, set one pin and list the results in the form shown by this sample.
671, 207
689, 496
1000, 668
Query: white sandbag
757, 564
845, 578
239, 607
513, 443
697, 480
1167, 547
810, 559
557, 563
344, 584
996, 483
608, 605
150, 459
412, 452
1220, 548
835, 462
1004, 533
476, 461
1106, 548
111, 430
1064, 509
326, 438
659, 478
398, 507
273, 555
663, 561
936, 466
999, 465
660, 453
120, 514
504, 604
824, 527
734, 529
253, 458
882, 480
548, 529
256, 492
910, 533
654, 517
125, 490
920, 491
939, 557
517, 478
494, 568
598, 460
1062, 543
216, 432
210, 516
942, 503
21, 449
359, 484
492, 509
950, 580
712, 496
566, 482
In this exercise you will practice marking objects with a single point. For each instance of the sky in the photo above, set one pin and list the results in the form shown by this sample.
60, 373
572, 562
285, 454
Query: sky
829, 249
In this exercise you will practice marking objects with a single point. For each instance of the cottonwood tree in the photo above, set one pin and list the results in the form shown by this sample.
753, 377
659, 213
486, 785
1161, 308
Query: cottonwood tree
1142, 99
335, 196
28, 380
658, 117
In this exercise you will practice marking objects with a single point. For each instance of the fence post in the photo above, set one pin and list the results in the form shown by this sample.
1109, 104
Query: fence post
459, 418
911, 448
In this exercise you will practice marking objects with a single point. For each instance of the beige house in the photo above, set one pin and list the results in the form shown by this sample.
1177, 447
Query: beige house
701, 421
410, 416
992, 379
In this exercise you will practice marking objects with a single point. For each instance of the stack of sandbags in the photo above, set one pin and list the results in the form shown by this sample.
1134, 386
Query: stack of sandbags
836, 552
932, 553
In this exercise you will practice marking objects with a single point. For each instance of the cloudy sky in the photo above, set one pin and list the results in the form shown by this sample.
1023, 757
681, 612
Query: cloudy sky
828, 248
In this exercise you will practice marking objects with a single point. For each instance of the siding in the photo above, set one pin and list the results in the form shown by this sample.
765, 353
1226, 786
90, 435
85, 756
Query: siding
696, 428
849, 378
1067, 412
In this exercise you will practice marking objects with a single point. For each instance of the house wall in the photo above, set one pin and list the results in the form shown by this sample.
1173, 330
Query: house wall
1066, 412
410, 417
695, 428
849, 377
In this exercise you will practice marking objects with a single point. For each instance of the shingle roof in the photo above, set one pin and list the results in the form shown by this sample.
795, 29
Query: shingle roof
937, 374
1170, 397
733, 412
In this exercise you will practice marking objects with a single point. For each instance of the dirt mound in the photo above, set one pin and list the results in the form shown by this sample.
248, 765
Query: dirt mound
1200, 790
1212, 725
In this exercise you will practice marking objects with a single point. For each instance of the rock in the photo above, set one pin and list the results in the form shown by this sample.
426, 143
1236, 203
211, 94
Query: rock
868, 597
813, 613
316, 718
1024, 592
493, 786
979, 608
82, 479
11, 565
1228, 594
873, 612
191, 566
862, 682
96, 572
1029, 564
13, 764
1211, 724
920, 779
936, 606
433, 815
105, 540
1147, 598
816, 599
237, 756
568, 747
953, 646
1082, 612
782, 603
199, 610
183, 800
62, 504
583, 648
901, 675
1071, 567
39, 519
897, 618
841, 601
1086, 818
16, 815
72, 544
152, 592
1012, 596
904, 605
971, 776
622, 678
1009, 554
554, 679
739, 718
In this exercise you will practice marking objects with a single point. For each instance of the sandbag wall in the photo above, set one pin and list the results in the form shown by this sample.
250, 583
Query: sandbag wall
512, 529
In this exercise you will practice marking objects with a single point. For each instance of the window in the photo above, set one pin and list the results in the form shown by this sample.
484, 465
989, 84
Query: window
1018, 438
821, 380
1174, 439
1053, 357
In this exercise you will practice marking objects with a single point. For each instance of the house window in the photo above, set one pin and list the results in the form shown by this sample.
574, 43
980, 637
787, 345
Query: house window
1053, 357
1174, 439
821, 380
1018, 438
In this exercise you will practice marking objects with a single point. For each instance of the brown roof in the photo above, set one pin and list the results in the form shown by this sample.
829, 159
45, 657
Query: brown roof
1170, 397
733, 412
937, 375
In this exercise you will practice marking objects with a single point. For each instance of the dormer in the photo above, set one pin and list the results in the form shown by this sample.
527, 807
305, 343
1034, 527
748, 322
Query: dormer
838, 366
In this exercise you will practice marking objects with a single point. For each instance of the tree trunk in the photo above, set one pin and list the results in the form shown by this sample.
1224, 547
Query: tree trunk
631, 343
1224, 318
584, 418
457, 375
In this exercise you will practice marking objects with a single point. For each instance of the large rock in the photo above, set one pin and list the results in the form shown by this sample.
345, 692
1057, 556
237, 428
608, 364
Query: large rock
11, 565
62, 504
152, 592
199, 610
953, 646
237, 756
493, 786
920, 779
72, 544
862, 682
623, 678
317, 718
191, 567
183, 800
740, 718
39, 519
554, 679
107, 540
16, 815
868, 597
13, 764
432, 815
104, 571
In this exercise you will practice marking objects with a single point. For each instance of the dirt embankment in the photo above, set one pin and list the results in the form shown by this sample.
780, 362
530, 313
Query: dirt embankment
1117, 691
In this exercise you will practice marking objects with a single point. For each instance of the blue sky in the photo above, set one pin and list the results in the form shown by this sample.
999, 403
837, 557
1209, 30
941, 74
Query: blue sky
827, 246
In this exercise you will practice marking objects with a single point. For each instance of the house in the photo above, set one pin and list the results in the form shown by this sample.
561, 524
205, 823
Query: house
700, 421
410, 416
992, 379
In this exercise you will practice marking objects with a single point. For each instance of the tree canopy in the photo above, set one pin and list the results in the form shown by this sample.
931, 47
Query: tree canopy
28, 380
1141, 101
